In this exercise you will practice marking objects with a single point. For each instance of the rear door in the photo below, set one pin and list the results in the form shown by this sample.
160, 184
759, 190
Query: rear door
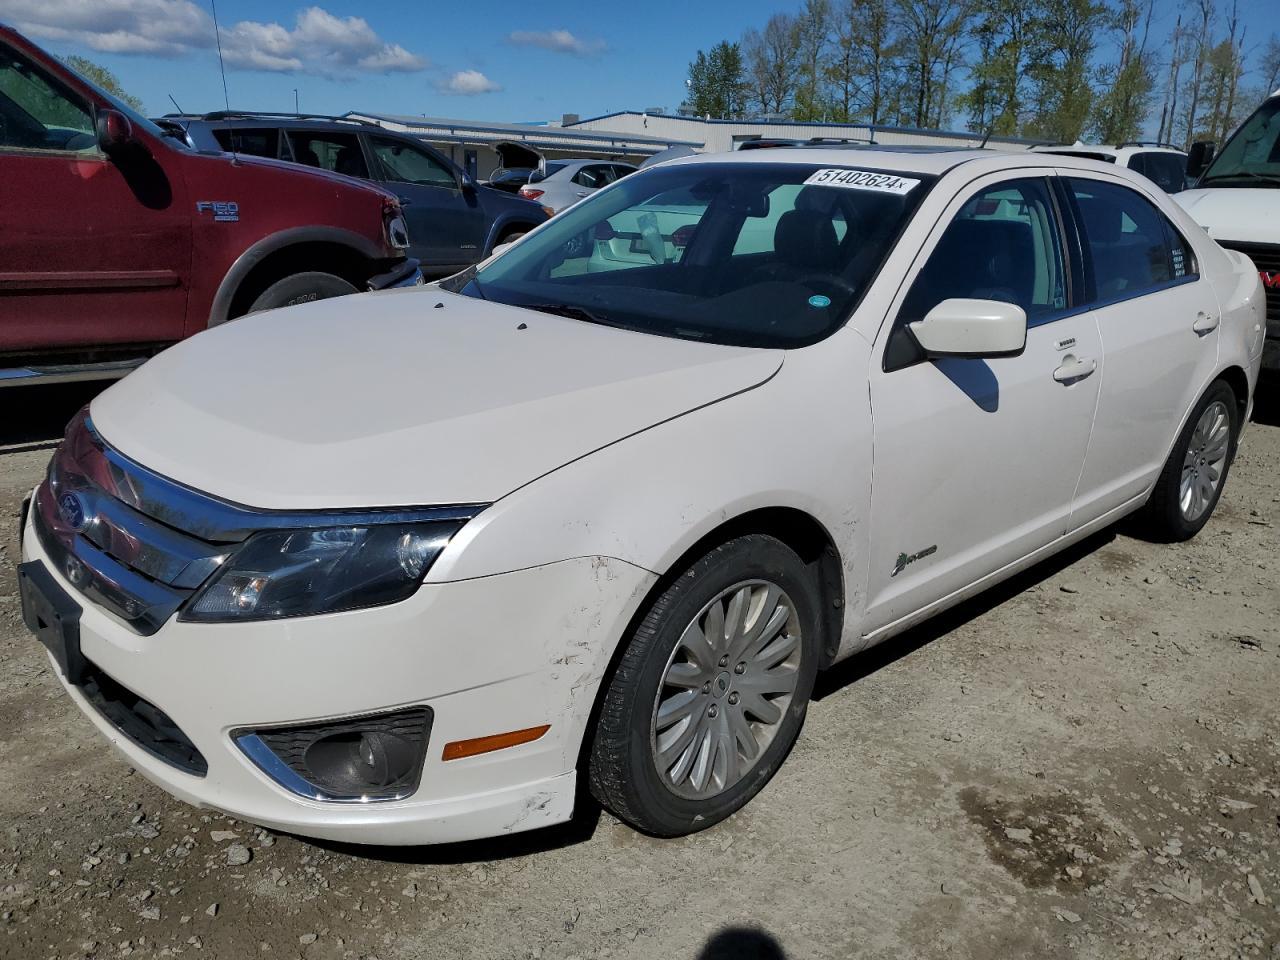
1158, 320
447, 224
976, 461
93, 251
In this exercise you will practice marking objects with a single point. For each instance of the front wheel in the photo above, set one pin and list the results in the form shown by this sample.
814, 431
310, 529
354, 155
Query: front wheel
711, 690
301, 288
1191, 482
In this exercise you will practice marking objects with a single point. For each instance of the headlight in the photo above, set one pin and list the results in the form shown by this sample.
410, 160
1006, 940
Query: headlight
296, 573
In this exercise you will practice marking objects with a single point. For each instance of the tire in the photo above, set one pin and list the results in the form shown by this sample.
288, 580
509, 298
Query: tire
1174, 513
663, 797
301, 288
511, 237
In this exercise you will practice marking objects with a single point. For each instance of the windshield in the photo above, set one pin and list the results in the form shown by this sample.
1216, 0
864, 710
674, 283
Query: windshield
1252, 155
752, 254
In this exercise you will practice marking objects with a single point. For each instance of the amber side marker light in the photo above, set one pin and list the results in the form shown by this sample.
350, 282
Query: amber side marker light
498, 741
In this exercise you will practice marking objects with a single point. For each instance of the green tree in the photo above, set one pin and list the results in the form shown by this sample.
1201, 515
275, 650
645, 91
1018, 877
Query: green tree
715, 85
813, 35
1006, 31
1121, 111
1062, 71
99, 75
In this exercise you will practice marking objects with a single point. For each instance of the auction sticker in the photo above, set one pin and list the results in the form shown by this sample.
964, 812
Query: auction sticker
862, 180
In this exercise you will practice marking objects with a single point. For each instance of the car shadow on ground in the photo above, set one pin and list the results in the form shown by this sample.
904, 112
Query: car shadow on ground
878, 657
1266, 400
33, 418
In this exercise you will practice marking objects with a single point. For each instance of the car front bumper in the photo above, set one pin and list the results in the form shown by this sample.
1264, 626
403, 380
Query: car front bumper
488, 655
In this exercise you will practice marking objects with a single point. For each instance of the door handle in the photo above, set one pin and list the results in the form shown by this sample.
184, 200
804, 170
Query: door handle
404, 201
1205, 323
1073, 369
582, 193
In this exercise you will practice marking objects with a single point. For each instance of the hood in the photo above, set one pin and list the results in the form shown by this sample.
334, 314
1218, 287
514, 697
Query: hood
1243, 214
407, 397
290, 169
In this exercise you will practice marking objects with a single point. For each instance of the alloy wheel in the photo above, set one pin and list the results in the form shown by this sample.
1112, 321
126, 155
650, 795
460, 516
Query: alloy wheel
1205, 461
726, 689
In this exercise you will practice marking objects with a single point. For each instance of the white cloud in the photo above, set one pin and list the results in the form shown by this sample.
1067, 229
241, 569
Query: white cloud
164, 27
318, 43
557, 41
468, 83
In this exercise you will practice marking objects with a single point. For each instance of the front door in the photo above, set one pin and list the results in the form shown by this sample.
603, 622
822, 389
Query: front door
446, 222
93, 250
975, 462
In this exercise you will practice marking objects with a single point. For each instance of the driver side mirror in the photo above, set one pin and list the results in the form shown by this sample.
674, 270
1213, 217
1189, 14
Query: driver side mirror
114, 131
1200, 156
468, 185
972, 329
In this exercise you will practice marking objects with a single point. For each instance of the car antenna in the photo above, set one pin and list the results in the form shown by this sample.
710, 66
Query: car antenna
184, 122
226, 97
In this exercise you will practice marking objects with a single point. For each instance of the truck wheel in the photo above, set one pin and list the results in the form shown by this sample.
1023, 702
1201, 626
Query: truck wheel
301, 288
711, 690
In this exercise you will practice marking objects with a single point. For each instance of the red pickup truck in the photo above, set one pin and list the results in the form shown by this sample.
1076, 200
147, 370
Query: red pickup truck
117, 240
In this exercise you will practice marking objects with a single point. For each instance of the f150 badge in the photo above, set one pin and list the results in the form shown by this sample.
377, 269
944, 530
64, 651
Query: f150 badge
906, 559
224, 211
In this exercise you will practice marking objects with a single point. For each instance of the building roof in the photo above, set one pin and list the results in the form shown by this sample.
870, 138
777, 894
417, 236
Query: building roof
444, 128
871, 127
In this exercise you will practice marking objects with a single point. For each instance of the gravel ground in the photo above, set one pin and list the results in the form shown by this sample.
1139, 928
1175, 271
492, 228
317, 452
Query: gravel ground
1082, 763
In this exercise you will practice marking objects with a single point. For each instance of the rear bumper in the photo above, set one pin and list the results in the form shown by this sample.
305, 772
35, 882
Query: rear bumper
405, 273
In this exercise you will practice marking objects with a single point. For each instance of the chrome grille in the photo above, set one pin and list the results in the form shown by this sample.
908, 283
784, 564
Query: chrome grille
138, 544
1266, 257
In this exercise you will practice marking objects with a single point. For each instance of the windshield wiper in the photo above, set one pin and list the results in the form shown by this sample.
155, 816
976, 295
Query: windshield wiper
574, 312
1253, 174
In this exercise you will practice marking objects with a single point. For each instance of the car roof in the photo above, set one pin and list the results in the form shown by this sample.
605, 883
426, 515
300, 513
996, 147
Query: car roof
907, 160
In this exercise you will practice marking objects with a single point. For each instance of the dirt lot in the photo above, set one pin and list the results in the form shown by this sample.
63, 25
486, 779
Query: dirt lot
1082, 764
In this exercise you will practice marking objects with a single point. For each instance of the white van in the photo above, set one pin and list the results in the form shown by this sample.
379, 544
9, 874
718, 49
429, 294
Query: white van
1237, 199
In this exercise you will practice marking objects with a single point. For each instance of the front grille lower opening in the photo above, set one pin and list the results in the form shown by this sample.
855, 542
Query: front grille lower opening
145, 724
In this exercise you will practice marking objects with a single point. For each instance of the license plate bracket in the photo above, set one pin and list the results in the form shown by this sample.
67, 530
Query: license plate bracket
54, 618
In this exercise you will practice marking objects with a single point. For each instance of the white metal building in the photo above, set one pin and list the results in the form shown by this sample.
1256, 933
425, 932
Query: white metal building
722, 135
479, 147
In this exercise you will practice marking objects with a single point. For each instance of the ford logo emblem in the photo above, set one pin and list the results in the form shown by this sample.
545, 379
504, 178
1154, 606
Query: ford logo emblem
72, 510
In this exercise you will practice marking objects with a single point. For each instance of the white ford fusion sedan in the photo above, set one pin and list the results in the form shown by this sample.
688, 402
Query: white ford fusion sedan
421, 565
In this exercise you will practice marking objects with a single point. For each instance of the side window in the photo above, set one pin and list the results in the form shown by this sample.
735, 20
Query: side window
255, 143
1004, 244
404, 163
592, 177
38, 113
620, 171
339, 152
1168, 171
1129, 242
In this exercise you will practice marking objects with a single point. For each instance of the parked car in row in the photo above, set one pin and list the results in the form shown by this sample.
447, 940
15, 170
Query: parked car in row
577, 517
510, 179
558, 184
453, 222
1161, 163
1237, 199
117, 240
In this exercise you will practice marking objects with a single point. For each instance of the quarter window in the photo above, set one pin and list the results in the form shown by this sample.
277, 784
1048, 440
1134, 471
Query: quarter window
403, 163
36, 113
339, 152
594, 177
1003, 245
255, 143
1132, 246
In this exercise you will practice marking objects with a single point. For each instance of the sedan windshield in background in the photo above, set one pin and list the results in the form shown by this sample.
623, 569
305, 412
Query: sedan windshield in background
770, 255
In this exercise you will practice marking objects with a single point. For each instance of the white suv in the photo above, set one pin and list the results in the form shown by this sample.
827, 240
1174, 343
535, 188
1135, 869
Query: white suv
404, 567
1160, 163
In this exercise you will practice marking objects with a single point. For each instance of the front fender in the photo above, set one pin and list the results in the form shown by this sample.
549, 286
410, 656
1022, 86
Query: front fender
647, 499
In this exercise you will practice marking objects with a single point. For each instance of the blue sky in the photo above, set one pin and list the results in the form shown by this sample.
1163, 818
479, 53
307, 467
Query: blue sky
497, 60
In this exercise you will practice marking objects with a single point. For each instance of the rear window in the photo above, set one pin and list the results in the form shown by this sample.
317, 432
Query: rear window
339, 152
